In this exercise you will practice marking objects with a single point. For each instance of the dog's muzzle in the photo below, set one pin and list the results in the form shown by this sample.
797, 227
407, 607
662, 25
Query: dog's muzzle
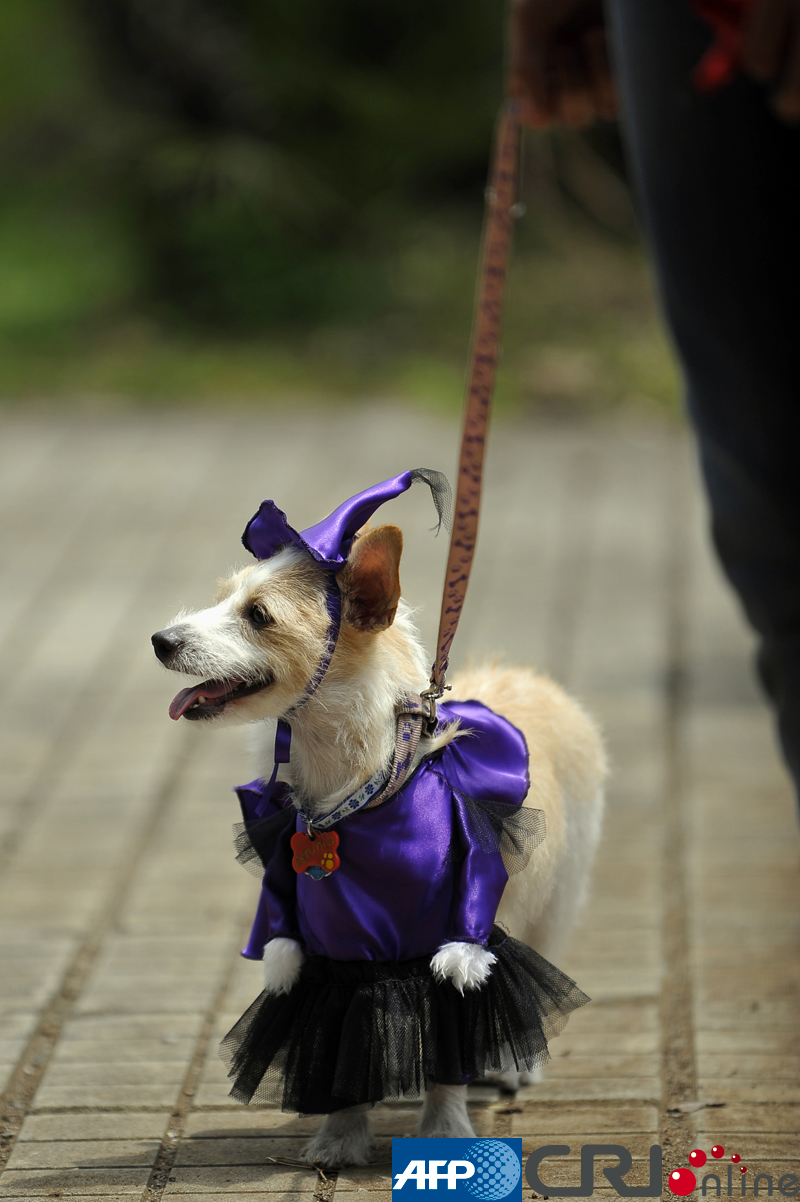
166, 643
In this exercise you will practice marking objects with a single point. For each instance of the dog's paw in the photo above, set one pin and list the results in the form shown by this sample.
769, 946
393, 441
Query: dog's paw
444, 1113
510, 1082
467, 965
439, 1125
283, 959
339, 1143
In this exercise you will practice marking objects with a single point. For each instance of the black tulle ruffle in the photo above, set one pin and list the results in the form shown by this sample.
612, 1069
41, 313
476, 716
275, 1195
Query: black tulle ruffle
353, 1033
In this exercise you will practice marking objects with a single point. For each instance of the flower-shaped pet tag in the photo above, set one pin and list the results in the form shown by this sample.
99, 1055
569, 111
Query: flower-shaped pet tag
315, 855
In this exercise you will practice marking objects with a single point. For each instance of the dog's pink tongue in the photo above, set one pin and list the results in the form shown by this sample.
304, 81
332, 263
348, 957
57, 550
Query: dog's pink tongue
187, 697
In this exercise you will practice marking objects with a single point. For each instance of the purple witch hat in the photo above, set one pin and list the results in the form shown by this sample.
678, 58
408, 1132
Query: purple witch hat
331, 539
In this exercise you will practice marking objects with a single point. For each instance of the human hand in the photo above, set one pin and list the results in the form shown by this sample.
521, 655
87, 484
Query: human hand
771, 51
559, 62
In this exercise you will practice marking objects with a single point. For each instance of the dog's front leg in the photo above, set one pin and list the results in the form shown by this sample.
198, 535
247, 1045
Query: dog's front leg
283, 959
344, 1138
444, 1113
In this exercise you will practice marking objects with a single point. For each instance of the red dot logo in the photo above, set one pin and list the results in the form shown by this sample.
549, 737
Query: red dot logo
697, 1158
736, 1158
717, 1151
682, 1182
743, 1169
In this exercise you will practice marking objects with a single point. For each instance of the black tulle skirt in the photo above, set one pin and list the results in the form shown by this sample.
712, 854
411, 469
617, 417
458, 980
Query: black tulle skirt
351, 1033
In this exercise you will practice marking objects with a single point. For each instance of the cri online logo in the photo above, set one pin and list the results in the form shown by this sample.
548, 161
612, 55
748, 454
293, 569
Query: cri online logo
683, 1181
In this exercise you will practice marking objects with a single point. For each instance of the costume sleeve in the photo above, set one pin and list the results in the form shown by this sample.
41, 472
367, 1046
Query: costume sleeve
279, 890
481, 880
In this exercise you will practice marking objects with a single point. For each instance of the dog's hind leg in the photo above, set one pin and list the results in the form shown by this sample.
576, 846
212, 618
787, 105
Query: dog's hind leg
551, 931
344, 1138
444, 1113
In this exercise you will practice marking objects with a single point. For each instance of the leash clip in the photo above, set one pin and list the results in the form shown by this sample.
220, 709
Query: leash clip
429, 697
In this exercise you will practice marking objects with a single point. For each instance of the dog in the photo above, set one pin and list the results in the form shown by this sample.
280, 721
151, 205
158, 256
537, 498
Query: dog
257, 647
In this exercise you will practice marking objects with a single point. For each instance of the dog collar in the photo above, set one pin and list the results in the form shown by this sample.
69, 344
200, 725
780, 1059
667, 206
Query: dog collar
315, 852
369, 792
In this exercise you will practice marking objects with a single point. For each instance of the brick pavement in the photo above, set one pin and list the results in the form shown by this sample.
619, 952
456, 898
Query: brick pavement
121, 908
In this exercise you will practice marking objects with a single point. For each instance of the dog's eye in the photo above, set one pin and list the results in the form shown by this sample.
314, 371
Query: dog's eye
259, 616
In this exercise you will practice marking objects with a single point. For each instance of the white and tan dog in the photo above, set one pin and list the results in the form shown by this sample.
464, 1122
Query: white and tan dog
258, 646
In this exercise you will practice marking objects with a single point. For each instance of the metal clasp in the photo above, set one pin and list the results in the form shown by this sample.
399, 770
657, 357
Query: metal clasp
429, 698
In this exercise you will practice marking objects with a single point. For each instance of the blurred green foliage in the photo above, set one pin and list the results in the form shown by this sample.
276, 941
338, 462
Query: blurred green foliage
247, 199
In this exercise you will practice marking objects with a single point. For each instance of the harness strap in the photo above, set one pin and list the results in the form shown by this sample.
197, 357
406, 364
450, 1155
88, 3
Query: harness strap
410, 721
385, 783
484, 355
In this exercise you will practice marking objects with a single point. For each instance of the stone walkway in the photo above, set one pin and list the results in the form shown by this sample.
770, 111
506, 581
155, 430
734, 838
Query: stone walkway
122, 909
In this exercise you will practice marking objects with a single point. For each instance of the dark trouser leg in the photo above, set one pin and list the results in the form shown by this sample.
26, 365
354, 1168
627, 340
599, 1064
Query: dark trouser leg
718, 179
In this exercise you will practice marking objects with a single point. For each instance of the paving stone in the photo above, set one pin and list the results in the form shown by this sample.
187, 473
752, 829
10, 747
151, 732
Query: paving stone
573, 1064
18, 1026
749, 1064
246, 1121
215, 1072
175, 1050
731, 1089
83, 1153
399, 1121
609, 1043
114, 1073
572, 1119
26, 1183
381, 1195
750, 1116
120, 1028
242, 1179
93, 1126
618, 1019
746, 1040
10, 1050
299, 1195
230, 1150
359, 1180
750, 1013
215, 1096
578, 1089
109, 1097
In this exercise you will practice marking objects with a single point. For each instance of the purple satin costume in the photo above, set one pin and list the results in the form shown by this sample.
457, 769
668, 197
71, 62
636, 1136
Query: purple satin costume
367, 1019
413, 873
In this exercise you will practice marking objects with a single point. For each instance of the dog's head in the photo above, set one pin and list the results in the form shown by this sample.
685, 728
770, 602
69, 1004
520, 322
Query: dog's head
258, 647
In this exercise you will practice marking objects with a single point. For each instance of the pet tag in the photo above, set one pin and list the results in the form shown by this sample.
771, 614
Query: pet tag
315, 855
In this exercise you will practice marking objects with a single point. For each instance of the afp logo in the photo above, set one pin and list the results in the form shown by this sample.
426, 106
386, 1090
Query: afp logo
483, 1170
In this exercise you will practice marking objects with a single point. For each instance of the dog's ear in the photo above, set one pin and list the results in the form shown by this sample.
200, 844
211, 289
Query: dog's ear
370, 580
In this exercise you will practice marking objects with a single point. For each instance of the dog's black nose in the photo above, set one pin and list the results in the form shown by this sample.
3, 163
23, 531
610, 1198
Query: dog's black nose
166, 643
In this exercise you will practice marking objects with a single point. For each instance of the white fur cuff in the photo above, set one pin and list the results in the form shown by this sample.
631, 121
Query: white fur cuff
467, 965
283, 959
